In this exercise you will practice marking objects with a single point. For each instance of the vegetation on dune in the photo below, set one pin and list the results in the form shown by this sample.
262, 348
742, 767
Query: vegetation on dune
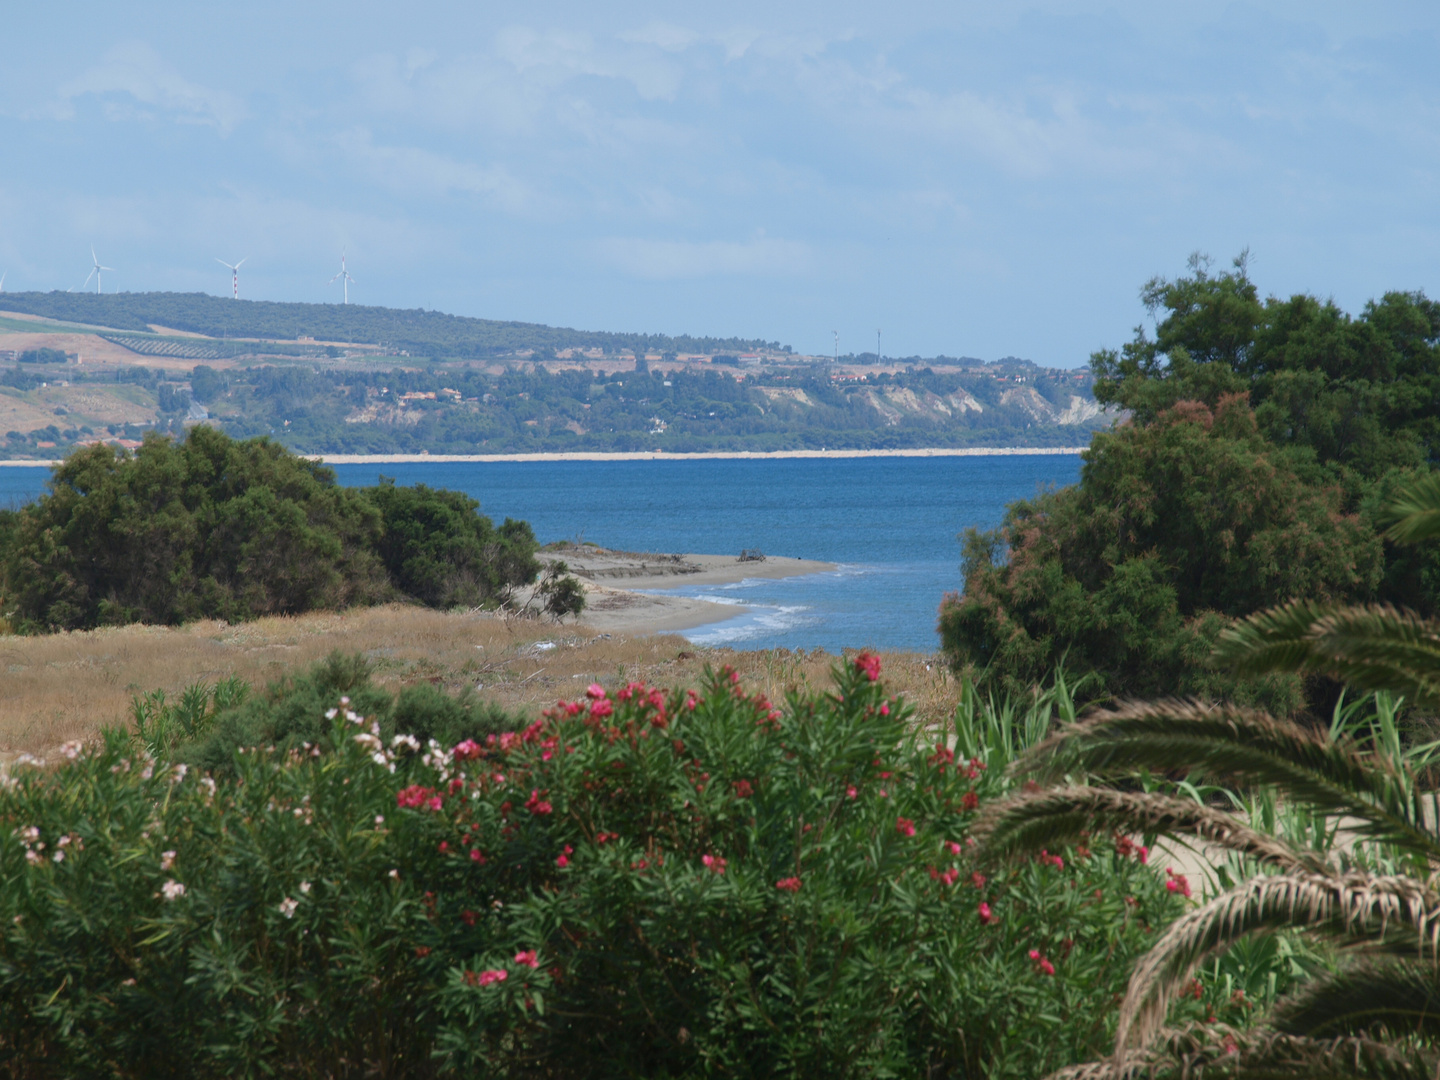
210, 527
1264, 436
1374, 1013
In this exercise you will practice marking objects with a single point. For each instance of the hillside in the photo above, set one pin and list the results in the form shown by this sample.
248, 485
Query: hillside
414, 332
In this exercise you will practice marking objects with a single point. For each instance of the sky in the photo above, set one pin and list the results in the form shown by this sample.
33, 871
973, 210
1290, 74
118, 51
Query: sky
969, 179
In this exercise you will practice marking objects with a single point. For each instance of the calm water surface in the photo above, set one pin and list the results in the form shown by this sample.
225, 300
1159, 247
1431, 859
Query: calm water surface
889, 523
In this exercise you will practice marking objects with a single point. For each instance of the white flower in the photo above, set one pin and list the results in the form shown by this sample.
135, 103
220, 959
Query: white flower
209, 785
370, 742
408, 741
304, 886
288, 906
344, 701
59, 856
71, 750
172, 890
30, 835
379, 819
63, 841
179, 774
330, 714
32, 857
167, 860
148, 771
395, 874
379, 758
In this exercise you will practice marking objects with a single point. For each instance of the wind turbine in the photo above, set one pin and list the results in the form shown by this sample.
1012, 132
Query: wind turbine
2, 281
95, 272
234, 276
343, 275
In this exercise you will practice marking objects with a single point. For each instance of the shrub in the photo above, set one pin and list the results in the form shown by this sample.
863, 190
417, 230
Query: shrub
1175, 529
211, 527
290, 714
647, 883
439, 549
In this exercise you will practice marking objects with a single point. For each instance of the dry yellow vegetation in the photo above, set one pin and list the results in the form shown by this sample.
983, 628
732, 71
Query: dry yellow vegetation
67, 686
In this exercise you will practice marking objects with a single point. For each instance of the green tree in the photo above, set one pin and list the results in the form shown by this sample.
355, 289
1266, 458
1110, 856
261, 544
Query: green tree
1376, 1015
1176, 528
439, 549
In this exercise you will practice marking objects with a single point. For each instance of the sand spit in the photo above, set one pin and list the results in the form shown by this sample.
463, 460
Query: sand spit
706, 455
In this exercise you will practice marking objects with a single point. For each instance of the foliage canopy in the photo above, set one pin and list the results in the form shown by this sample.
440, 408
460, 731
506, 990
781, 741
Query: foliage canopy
211, 527
1263, 437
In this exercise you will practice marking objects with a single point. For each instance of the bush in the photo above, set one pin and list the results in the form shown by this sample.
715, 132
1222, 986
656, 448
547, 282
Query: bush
643, 884
1175, 529
439, 549
210, 527
290, 714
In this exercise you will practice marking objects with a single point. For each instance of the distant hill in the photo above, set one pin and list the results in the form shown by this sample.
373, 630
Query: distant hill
417, 332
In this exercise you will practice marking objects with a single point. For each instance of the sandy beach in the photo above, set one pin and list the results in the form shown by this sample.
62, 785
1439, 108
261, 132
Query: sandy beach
612, 578
660, 455
705, 455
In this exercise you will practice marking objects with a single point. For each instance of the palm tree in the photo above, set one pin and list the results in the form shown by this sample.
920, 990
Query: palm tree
1379, 1015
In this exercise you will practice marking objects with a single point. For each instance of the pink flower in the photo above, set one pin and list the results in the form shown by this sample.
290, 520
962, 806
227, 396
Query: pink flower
468, 750
535, 804
416, 796
986, 918
527, 958
1177, 883
904, 826
977, 879
475, 855
789, 884
851, 792
1042, 965
970, 801
714, 863
954, 847
869, 664
884, 710
1052, 860
743, 790
564, 858
601, 708
595, 691
494, 975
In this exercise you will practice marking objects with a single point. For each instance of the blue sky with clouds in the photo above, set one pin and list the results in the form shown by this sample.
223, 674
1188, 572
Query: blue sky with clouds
973, 179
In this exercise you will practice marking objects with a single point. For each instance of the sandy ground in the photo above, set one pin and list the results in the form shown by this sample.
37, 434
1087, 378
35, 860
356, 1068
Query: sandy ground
611, 578
67, 686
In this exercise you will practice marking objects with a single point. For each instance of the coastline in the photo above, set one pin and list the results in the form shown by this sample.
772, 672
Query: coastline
657, 455
701, 455
615, 602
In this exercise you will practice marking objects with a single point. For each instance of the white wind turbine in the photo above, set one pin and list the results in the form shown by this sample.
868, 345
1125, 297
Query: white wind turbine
2, 281
234, 276
95, 272
343, 275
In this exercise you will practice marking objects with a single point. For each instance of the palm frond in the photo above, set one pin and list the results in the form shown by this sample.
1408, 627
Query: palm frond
1415, 513
1353, 908
1402, 997
1055, 816
1368, 646
1210, 1052
1234, 745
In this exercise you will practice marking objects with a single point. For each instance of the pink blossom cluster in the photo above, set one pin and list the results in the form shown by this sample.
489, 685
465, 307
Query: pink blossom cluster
1042, 965
868, 664
417, 797
1177, 883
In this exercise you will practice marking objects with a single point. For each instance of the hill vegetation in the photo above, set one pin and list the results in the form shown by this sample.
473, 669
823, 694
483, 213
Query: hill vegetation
209, 527
417, 332
1266, 436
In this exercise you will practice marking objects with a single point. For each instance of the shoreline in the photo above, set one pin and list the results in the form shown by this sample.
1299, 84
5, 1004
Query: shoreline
655, 455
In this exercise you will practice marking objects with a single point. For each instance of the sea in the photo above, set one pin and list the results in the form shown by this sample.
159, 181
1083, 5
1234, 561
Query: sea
890, 525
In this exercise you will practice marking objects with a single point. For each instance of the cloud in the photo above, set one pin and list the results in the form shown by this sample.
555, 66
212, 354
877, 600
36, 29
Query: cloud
136, 72
413, 170
674, 259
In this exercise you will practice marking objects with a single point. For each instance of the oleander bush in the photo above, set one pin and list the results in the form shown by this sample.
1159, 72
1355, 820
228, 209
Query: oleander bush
640, 883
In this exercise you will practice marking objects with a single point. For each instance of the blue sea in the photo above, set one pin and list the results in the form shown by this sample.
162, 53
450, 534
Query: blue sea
889, 524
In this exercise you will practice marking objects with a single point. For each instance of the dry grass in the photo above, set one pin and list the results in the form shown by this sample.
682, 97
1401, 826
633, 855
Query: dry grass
67, 686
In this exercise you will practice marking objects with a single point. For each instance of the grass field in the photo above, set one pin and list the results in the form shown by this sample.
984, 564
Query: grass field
67, 686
